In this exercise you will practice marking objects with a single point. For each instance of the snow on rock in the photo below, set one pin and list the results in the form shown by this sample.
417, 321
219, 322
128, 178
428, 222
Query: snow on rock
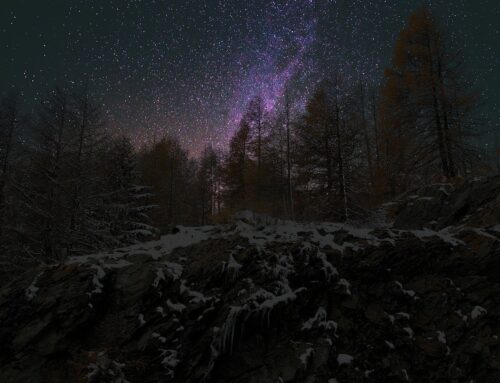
319, 321
446, 235
273, 300
477, 312
176, 307
404, 373
160, 338
346, 284
173, 269
441, 336
160, 276
196, 296
403, 315
410, 293
97, 279
328, 269
170, 361
141, 320
216, 322
231, 265
461, 315
391, 318
306, 356
105, 369
32, 289
409, 331
344, 359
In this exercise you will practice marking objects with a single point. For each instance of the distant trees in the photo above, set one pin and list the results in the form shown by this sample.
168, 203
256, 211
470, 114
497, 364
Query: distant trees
62, 181
67, 187
357, 144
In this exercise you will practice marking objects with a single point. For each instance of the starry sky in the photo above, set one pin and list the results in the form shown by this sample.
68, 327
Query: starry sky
189, 67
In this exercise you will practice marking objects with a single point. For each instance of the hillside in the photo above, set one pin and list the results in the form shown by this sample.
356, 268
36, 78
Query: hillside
262, 300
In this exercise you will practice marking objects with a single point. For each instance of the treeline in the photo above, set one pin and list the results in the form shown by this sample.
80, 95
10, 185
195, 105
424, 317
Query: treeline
66, 187
357, 145
69, 187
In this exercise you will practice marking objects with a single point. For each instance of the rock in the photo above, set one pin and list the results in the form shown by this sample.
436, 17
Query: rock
263, 300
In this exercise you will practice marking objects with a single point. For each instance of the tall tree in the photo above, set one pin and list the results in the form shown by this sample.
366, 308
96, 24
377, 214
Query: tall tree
236, 168
127, 204
48, 202
208, 181
425, 98
165, 166
9, 126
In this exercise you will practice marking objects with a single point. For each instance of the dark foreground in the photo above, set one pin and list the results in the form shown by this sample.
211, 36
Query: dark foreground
266, 301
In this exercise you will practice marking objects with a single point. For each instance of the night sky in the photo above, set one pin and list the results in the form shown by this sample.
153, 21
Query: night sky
189, 67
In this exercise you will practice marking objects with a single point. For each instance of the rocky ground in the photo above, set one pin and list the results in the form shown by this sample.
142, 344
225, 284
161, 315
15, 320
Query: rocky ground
261, 300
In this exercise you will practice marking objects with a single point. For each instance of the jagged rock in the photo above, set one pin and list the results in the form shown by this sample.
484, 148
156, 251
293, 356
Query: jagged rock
262, 300
474, 202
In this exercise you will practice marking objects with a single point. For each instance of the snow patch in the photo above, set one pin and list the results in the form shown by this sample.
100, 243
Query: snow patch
344, 359
32, 290
142, 322
319, 321
306, 355
410, 293
477, 312
346, 284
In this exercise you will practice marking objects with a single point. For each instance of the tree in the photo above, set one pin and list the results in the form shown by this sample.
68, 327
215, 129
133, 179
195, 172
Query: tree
165, 166
236, 168
85, 147
9, 124
208, 184
289, 187
47, 199
127, 205
327, 145
427, 109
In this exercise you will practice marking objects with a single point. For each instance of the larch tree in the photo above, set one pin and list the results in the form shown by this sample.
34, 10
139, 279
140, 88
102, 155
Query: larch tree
426, 104
9, 125
208, 184
47, 198
236, 166
127, 203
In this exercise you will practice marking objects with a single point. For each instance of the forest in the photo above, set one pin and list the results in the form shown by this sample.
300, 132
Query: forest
69, 187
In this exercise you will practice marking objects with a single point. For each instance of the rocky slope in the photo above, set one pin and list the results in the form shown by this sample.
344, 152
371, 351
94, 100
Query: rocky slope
261, 300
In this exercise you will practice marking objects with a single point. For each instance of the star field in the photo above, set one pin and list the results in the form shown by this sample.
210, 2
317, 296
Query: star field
190, 67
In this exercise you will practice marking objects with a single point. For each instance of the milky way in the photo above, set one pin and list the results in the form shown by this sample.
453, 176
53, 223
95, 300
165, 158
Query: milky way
189, 68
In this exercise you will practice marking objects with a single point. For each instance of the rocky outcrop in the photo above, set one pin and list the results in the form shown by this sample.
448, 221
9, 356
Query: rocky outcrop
262, 300
473, 202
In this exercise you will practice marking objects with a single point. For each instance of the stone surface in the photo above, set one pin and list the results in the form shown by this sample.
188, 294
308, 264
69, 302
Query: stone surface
263, 303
